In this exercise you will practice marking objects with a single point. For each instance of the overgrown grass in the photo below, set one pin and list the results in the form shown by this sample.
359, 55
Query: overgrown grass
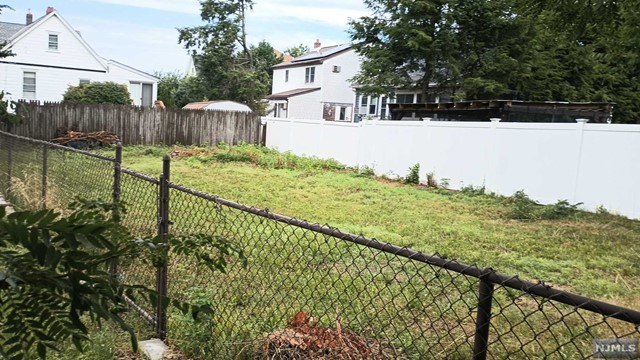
377, 295
594, 254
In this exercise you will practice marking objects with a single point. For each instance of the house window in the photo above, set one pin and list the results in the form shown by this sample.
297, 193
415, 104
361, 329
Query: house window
373, 105
404, 99
343, 113
286, 76
84, 81
53, 42
310, 75
383, 107
29, 85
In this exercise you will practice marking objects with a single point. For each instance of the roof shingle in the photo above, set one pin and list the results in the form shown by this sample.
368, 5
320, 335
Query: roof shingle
7, 30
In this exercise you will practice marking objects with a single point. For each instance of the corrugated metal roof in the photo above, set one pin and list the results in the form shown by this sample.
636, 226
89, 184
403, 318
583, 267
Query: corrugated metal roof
225, 105
196, 105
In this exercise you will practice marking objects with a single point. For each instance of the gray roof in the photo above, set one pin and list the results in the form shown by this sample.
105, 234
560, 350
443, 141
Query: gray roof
285, 95
7, 30
322, 53
316, 56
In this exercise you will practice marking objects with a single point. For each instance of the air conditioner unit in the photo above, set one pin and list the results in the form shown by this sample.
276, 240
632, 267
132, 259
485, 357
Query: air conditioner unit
336, 68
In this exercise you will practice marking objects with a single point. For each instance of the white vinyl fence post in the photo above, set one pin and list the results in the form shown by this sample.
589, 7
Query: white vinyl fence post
581, 123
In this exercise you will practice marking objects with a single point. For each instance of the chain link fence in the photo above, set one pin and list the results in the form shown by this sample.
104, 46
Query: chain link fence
308, 289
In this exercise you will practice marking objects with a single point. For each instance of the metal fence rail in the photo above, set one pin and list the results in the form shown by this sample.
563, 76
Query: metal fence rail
399, 302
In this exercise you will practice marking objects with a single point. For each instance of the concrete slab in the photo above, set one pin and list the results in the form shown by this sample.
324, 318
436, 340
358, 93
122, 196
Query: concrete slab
153, 349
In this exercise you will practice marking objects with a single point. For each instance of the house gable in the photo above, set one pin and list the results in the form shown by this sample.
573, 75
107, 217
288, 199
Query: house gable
31, 46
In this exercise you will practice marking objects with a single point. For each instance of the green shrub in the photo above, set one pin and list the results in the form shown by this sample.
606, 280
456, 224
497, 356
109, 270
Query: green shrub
365, 171
57, 268
98, 93
522, 207
560, 210
413, 177
470, 190
431, 180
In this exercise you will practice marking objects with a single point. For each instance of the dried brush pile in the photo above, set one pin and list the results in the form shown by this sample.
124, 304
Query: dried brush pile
304, 339
90, 140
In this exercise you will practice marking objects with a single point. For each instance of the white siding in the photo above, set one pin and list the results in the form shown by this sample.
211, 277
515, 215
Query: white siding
336, 87
57, 70
296, 78
123, 75
51, 84
33, 48
306, 106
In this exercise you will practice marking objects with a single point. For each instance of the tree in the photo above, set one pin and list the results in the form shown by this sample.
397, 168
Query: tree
297, 50
98, 93
168, 85
4, 52
229, 68
54, 275
518, 49
490, 40
7, 107
405, 44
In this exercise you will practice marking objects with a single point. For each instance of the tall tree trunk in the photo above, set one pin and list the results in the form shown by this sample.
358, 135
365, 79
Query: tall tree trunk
244, 44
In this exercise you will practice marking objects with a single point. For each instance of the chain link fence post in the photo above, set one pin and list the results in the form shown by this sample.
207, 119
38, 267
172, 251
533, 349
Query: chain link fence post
163, 233
9, 166
483, 319
117, 175
45, 155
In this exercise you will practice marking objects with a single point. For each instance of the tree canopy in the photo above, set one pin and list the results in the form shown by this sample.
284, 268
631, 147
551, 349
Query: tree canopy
509, 49
228, 67
4, 53
297, 50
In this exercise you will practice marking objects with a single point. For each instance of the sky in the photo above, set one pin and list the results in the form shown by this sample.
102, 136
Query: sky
142, 33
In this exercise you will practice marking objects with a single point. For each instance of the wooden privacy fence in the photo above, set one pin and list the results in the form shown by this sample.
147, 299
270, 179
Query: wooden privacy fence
138, 125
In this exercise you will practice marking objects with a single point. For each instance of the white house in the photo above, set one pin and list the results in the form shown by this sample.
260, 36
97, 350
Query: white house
50, 56
316, 85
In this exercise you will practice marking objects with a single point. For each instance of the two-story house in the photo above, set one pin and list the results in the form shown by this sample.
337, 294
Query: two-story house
50, 56
316, 85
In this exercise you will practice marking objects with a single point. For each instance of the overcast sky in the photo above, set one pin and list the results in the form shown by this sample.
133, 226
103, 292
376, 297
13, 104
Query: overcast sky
142, 33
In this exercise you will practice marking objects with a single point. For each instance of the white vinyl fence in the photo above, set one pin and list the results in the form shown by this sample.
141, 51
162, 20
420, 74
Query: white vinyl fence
596, 164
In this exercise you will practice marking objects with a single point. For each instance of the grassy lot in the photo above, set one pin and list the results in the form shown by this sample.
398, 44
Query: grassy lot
412, 310
596, 255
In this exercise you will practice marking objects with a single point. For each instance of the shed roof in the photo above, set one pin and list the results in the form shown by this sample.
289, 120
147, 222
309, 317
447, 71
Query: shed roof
202, 105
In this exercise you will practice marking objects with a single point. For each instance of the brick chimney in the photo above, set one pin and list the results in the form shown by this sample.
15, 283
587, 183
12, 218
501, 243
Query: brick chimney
29, 17
317, 44
50, 9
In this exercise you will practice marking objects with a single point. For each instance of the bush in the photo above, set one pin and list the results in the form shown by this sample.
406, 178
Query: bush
413, 177
98, 93
55, 275
560, 210
523, 208
470, 190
